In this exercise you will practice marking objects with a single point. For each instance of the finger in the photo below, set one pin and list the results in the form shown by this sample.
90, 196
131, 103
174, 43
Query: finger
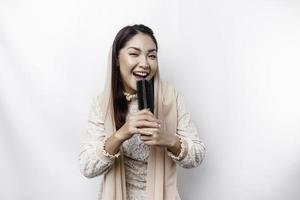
153, 131
145, 132
146, 118
149, 142
143, 117
146, 138
145, 112
146, 124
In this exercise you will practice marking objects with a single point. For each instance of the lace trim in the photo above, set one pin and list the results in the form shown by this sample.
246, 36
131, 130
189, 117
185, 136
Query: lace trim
182, 149
106, 153
129, 96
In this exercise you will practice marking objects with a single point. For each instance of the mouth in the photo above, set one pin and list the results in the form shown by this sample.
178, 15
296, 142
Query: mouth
139, 75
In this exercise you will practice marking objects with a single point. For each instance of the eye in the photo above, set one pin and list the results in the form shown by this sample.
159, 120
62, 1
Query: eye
133, 54
152, 56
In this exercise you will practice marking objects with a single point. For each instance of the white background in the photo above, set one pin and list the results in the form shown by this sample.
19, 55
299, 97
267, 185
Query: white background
236, 63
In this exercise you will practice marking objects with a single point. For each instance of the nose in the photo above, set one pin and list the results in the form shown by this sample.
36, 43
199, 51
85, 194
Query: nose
144, 62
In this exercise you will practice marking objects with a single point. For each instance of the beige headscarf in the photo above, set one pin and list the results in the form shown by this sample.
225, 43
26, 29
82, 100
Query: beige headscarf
161, 169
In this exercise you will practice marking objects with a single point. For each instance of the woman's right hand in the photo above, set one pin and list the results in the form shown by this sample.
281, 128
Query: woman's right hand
135, 124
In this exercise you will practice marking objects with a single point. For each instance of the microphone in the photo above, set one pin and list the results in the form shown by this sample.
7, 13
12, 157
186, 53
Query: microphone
145, 94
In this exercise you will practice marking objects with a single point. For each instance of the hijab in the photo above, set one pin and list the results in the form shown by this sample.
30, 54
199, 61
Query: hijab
161, 170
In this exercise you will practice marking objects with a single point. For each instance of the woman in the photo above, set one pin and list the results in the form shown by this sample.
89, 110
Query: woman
136, 151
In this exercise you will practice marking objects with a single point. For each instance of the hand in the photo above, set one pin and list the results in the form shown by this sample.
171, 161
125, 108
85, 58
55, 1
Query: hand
158, 139
136, 123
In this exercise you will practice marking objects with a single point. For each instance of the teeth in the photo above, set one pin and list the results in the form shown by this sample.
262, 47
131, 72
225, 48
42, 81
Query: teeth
141, 73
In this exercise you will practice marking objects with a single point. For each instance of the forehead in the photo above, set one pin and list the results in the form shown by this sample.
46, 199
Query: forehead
141, 41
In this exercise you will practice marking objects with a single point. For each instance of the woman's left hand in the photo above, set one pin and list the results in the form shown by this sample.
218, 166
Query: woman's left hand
158, 139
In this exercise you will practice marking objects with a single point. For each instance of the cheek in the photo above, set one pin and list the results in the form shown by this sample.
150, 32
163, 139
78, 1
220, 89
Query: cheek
153, 70
125, 70
122, 72
126, 64
124, 75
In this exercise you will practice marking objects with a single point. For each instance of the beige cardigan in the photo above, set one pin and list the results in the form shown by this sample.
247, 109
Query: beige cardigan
94, 163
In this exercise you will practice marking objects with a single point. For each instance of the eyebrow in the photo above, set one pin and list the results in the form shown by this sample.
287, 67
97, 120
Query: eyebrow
138, 49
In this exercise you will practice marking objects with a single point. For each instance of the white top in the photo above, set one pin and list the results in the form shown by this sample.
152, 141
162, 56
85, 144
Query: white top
93, 162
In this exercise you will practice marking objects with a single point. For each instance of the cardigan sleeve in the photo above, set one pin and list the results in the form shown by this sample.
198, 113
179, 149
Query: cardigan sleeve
192, 148
92, 160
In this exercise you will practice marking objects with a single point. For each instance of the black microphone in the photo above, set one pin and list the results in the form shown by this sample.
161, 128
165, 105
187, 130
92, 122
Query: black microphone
145, 94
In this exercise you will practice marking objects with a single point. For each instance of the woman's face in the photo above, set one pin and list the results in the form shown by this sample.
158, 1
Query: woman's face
138, 60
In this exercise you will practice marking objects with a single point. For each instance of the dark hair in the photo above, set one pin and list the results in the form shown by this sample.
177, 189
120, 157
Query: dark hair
120, 104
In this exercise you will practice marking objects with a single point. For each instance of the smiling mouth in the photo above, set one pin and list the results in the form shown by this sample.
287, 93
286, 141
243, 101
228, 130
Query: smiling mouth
140, 75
